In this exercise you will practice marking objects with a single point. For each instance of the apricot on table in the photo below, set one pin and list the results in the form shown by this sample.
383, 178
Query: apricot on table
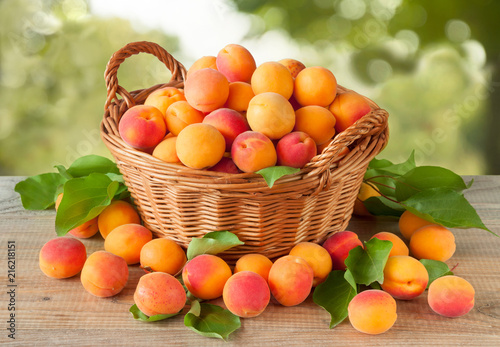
316, 121
433, 242
142, 127
409, 222
119, 212
206, 90
205, 276
317, 257
246, 294
372, 311
404, 277
315, 85
451, 296
162, 255
253, 151
159, 293
290, 280
62, 257
398, 245
272, 77
236, 63
200, 146
127, 241
104, 274
258, 263
339, 245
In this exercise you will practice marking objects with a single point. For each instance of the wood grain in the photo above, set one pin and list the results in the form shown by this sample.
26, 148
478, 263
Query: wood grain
60, 312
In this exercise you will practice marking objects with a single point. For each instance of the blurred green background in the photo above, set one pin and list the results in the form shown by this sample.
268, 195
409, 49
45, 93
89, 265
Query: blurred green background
434, 65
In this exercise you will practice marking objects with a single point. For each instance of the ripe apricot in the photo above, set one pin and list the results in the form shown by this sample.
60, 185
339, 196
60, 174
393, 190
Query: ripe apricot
205, 276
409, 222
433, 242
293, 65
159, 293
246, 294
165, 150
339, 245
347, 108
206, 90
104, 274
315, 86
164, 97
119, 212
316, 121
398, 245
451, 296
62, 257
372, 311
127, 241
202, 63
180, 114
404, 277
142, 127
200, 146
236, 63
229, 122
258, 263
317, 257
272, 77
240, 94
253, 151
162, 255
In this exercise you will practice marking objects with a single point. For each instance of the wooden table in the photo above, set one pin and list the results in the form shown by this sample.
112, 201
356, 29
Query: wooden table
60, 312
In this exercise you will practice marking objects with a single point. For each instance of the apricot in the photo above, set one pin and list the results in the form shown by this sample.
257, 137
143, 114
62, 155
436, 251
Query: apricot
159, 293
236, 63
205, 276
119, 212
104, 274
226, 165
339, 245
240, 94
246, 294
200, 146
206, 90
202, 63
317, 257
272, 77
409, 222
62, 257
162, 255
398, 245
271, 114
253, 151
142, 127
404, 277
229, 122
347, 108
127, 241
315, 86
372, 311
295, 149
166, 151
164, 97
316, 121
290, 280
366, 191
293, 65
433, 242
451, 296
180, 114
258, 263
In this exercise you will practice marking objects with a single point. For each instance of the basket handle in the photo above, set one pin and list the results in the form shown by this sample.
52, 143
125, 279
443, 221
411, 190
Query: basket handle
110, 75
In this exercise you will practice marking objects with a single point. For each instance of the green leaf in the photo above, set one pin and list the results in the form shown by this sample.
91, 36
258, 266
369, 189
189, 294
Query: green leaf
446, 207
212, 243
387, 167
436, 269
63, 172
89, 164
39, 192
380, 206
334, 295
84, 198
142, 317
367, 265
211, 320
273, 173
350, 279
427, 177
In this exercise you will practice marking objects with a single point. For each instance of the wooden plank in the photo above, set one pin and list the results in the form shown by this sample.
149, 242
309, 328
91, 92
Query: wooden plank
61, 312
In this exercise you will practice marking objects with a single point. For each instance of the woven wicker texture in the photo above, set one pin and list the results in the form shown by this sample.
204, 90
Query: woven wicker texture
181, 203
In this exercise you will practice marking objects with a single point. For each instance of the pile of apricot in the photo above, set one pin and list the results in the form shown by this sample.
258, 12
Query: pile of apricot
234, 116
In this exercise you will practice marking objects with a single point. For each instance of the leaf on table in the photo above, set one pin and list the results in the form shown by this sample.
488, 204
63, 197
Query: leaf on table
39, 192
427, 177
334, 295
273, 173
139, 315
89, 164
446, 207
211, 320
367, 264
212, 243
435, 269
84, 198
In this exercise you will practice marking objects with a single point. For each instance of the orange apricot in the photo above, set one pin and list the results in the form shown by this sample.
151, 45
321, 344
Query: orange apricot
409, 222
104, 274
272, 77
258, 263
119, 212
200, 146
159, 293
62, 257
433, 242
127, 241
162, 255
372, 311
315, 86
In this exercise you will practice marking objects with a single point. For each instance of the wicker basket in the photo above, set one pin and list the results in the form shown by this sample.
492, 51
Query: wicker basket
180, 203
